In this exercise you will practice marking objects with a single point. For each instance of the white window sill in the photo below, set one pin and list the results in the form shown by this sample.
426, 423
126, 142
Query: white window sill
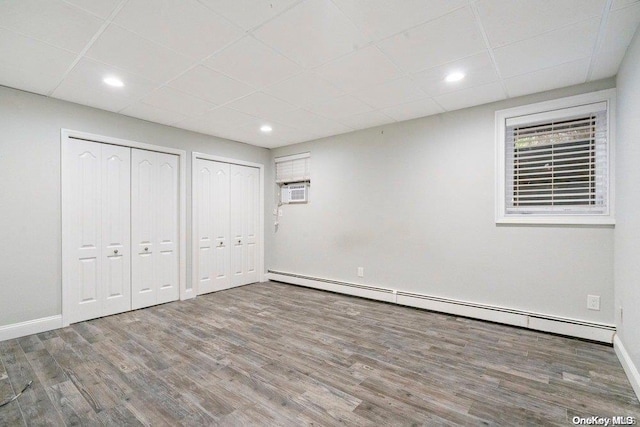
557, 220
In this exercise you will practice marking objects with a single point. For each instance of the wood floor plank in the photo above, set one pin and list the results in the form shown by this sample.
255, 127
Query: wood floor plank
275, 354
35, 405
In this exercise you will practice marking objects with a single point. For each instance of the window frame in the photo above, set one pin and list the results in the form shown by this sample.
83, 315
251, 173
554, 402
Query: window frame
553, 106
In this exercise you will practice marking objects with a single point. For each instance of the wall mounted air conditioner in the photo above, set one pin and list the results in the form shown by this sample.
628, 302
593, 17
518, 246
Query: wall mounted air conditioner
295, 193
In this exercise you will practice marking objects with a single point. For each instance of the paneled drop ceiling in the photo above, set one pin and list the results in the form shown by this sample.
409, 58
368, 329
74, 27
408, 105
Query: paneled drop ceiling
307, 68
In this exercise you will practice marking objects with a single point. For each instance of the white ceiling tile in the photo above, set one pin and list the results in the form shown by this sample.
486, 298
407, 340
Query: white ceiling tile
143, 111
414, 109
132, 53
620, 4
171, 99
478, 69
248, 13
101, 8
254, 63
563, 75
365, 67
311, 33
621, 26
218, 120
392, 93
84, 85
313, 123
260, 104
382, 18
210, 85
51, 21
554, 48
338, 108
451, 37
250, 133
606, 63
304, 89
31, 65
470, 97
508, 21
367, 120
185, 26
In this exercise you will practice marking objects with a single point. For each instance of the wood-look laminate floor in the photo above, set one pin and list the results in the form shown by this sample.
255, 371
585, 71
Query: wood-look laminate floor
275, 354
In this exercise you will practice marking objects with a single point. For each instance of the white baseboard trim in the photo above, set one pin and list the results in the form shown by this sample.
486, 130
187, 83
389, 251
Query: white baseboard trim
541, 322
627, 364
22, 329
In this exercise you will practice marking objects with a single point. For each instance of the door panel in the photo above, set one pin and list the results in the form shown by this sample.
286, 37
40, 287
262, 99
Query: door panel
81, 183
116, 223
220, 225
238, 214
253, 224
244, 213
166, 232
204, 225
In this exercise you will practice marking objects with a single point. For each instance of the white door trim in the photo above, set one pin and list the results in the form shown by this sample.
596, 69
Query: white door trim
65, 135
194, 201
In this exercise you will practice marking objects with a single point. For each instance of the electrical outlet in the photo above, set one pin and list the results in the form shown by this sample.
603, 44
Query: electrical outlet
360, 271
593, 302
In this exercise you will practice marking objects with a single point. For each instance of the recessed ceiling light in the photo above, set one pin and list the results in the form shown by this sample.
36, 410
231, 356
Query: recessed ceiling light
454, 77
113, 81
266, 129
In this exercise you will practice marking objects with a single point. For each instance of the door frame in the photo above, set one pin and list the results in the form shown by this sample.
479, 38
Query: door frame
66, 262
194, 202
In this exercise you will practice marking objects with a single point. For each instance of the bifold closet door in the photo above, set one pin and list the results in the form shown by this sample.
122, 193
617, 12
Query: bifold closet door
244, 224
211, 190
96, 223
154, 228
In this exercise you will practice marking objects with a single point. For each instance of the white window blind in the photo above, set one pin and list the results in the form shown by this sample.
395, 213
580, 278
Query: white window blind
294, 168
556, 163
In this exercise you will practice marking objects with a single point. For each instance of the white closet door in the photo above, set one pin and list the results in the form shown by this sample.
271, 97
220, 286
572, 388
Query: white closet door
116, 228
96, 264
143, 165
154, 219
212, 225
244, 224
167, 261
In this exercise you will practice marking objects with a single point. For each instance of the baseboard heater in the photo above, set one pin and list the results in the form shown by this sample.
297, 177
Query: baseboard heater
542, 322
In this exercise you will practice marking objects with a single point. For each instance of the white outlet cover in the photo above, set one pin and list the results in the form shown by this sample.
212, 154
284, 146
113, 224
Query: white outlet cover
593, 302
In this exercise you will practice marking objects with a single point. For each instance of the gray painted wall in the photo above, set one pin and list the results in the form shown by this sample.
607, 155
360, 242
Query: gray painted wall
413, 203
627, 234
30, 254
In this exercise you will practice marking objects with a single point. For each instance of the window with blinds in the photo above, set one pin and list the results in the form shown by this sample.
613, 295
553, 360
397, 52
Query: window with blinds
558, 166
295, 168
554, 161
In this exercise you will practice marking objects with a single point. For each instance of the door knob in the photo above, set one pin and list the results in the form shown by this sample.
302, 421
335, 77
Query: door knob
146, 249
220, 243
115, 251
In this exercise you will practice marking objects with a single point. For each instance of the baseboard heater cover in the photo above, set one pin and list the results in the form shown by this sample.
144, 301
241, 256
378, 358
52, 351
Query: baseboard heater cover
554, 324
